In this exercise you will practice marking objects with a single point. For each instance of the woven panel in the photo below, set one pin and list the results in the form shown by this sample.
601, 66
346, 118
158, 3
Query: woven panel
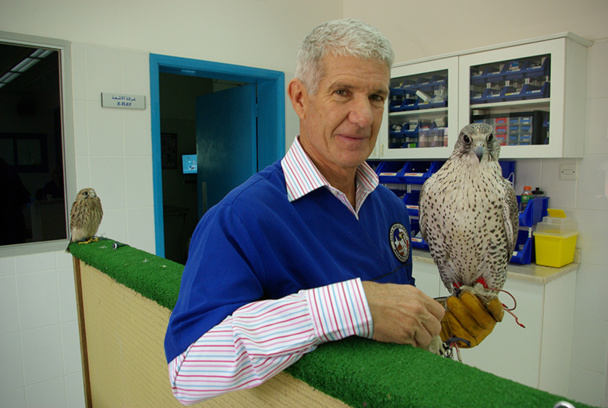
127, 368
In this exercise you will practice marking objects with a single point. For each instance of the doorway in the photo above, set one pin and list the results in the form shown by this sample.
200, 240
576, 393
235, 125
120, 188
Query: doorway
174, 223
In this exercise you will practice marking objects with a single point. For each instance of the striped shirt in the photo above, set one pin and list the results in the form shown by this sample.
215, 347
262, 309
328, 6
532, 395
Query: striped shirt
302, 177
262, 338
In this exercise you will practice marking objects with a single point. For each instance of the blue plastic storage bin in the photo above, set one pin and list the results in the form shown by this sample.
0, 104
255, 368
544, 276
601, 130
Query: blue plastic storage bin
417, 172
508, 169
389, 172
524, 249
417, 242
406, 172
411, 201
534, 212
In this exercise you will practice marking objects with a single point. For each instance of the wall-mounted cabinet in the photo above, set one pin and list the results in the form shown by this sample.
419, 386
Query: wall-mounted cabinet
532, 92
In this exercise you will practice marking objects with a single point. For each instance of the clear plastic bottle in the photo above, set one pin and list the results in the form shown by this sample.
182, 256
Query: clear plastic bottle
525, 198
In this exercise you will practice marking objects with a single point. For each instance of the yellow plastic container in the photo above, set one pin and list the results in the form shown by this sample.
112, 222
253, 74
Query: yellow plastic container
555, 239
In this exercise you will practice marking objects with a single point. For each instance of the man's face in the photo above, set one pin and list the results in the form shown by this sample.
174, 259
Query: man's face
339, 124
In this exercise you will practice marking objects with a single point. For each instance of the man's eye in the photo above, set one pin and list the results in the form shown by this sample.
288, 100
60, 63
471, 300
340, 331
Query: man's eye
342, 92
378, 98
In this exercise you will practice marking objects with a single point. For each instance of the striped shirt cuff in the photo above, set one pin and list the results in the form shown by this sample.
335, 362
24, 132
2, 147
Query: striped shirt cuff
340, 310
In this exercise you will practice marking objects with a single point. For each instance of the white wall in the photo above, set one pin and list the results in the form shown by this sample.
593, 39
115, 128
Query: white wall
39, 355
424, 29
420, 29
111, 41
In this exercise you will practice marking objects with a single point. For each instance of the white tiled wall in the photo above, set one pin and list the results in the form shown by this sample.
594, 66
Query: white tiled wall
589, 375
587, 197
113, 146
40, 363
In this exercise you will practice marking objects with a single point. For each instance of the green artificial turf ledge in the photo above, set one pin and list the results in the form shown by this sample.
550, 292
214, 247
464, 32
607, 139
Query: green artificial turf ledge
153, 277
360, 372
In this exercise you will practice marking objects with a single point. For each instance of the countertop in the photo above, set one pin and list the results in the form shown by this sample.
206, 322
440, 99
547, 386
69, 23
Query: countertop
532, 272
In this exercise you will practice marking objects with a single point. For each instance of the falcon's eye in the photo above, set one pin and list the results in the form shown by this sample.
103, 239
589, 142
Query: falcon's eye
466, 139
491, 137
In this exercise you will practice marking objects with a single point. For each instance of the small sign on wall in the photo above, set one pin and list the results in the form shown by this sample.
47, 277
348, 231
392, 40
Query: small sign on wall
122, 101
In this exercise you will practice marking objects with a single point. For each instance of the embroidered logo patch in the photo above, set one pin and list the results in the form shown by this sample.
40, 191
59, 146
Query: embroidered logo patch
400, 241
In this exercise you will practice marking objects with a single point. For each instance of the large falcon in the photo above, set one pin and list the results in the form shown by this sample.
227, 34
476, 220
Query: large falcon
469, 215
85, 216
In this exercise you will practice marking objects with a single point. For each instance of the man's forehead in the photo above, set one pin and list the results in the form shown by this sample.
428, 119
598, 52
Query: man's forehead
352, 71
331, 59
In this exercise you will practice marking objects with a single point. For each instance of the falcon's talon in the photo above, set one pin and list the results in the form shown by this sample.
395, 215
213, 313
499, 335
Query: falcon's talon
458, 352
448, 347
88, 241
455, 340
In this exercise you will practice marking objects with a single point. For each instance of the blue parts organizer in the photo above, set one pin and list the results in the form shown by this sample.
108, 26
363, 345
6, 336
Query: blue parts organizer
426, 94
534, 213
405, 178
512, 80
521, 128
507, 81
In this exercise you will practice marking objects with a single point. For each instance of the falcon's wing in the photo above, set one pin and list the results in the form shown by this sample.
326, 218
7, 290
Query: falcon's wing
423, 219
429, 199
510, 212
75, 219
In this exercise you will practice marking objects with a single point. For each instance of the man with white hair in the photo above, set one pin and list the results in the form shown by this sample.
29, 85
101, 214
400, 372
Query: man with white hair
309, 250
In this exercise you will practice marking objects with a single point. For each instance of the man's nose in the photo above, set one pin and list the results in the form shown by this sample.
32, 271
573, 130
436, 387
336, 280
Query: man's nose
361, 112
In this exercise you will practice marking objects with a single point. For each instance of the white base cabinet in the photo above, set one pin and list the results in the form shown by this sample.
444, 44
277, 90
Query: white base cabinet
537, 355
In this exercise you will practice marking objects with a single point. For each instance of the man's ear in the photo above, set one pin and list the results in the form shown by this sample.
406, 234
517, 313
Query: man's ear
298, 97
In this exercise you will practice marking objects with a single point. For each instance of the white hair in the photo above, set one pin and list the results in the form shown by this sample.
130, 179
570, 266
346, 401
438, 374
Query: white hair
345, 37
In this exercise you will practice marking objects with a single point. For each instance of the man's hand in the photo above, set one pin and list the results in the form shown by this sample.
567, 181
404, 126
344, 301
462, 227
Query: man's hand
469, 318
403, 314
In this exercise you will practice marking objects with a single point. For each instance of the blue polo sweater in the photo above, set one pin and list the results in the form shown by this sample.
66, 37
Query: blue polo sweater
256, 245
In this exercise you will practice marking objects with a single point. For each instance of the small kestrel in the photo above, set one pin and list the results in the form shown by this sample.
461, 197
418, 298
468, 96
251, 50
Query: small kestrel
85, 216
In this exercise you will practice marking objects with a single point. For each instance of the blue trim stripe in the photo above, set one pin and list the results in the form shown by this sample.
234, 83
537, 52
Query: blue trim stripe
157, 175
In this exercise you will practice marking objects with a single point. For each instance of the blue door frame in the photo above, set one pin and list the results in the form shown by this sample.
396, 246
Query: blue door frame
271, 115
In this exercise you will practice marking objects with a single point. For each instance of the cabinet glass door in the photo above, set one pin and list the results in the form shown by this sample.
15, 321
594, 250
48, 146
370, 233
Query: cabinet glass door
418, 111
513, 96
522, 91
421, 98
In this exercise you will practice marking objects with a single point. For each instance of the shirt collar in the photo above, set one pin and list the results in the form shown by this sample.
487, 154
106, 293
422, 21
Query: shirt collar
303, 177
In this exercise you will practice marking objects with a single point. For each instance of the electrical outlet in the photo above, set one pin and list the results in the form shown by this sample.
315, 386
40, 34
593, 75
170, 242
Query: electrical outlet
567, 172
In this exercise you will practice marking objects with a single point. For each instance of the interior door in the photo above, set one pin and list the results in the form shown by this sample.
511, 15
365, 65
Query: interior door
226, 140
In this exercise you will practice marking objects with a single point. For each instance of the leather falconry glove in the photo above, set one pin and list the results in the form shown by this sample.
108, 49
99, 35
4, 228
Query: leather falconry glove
469, 319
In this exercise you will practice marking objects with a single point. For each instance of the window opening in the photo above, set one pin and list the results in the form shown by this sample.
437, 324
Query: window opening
33, 207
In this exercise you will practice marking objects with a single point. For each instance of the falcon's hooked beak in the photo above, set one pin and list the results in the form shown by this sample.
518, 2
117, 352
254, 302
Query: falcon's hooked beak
479, 151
